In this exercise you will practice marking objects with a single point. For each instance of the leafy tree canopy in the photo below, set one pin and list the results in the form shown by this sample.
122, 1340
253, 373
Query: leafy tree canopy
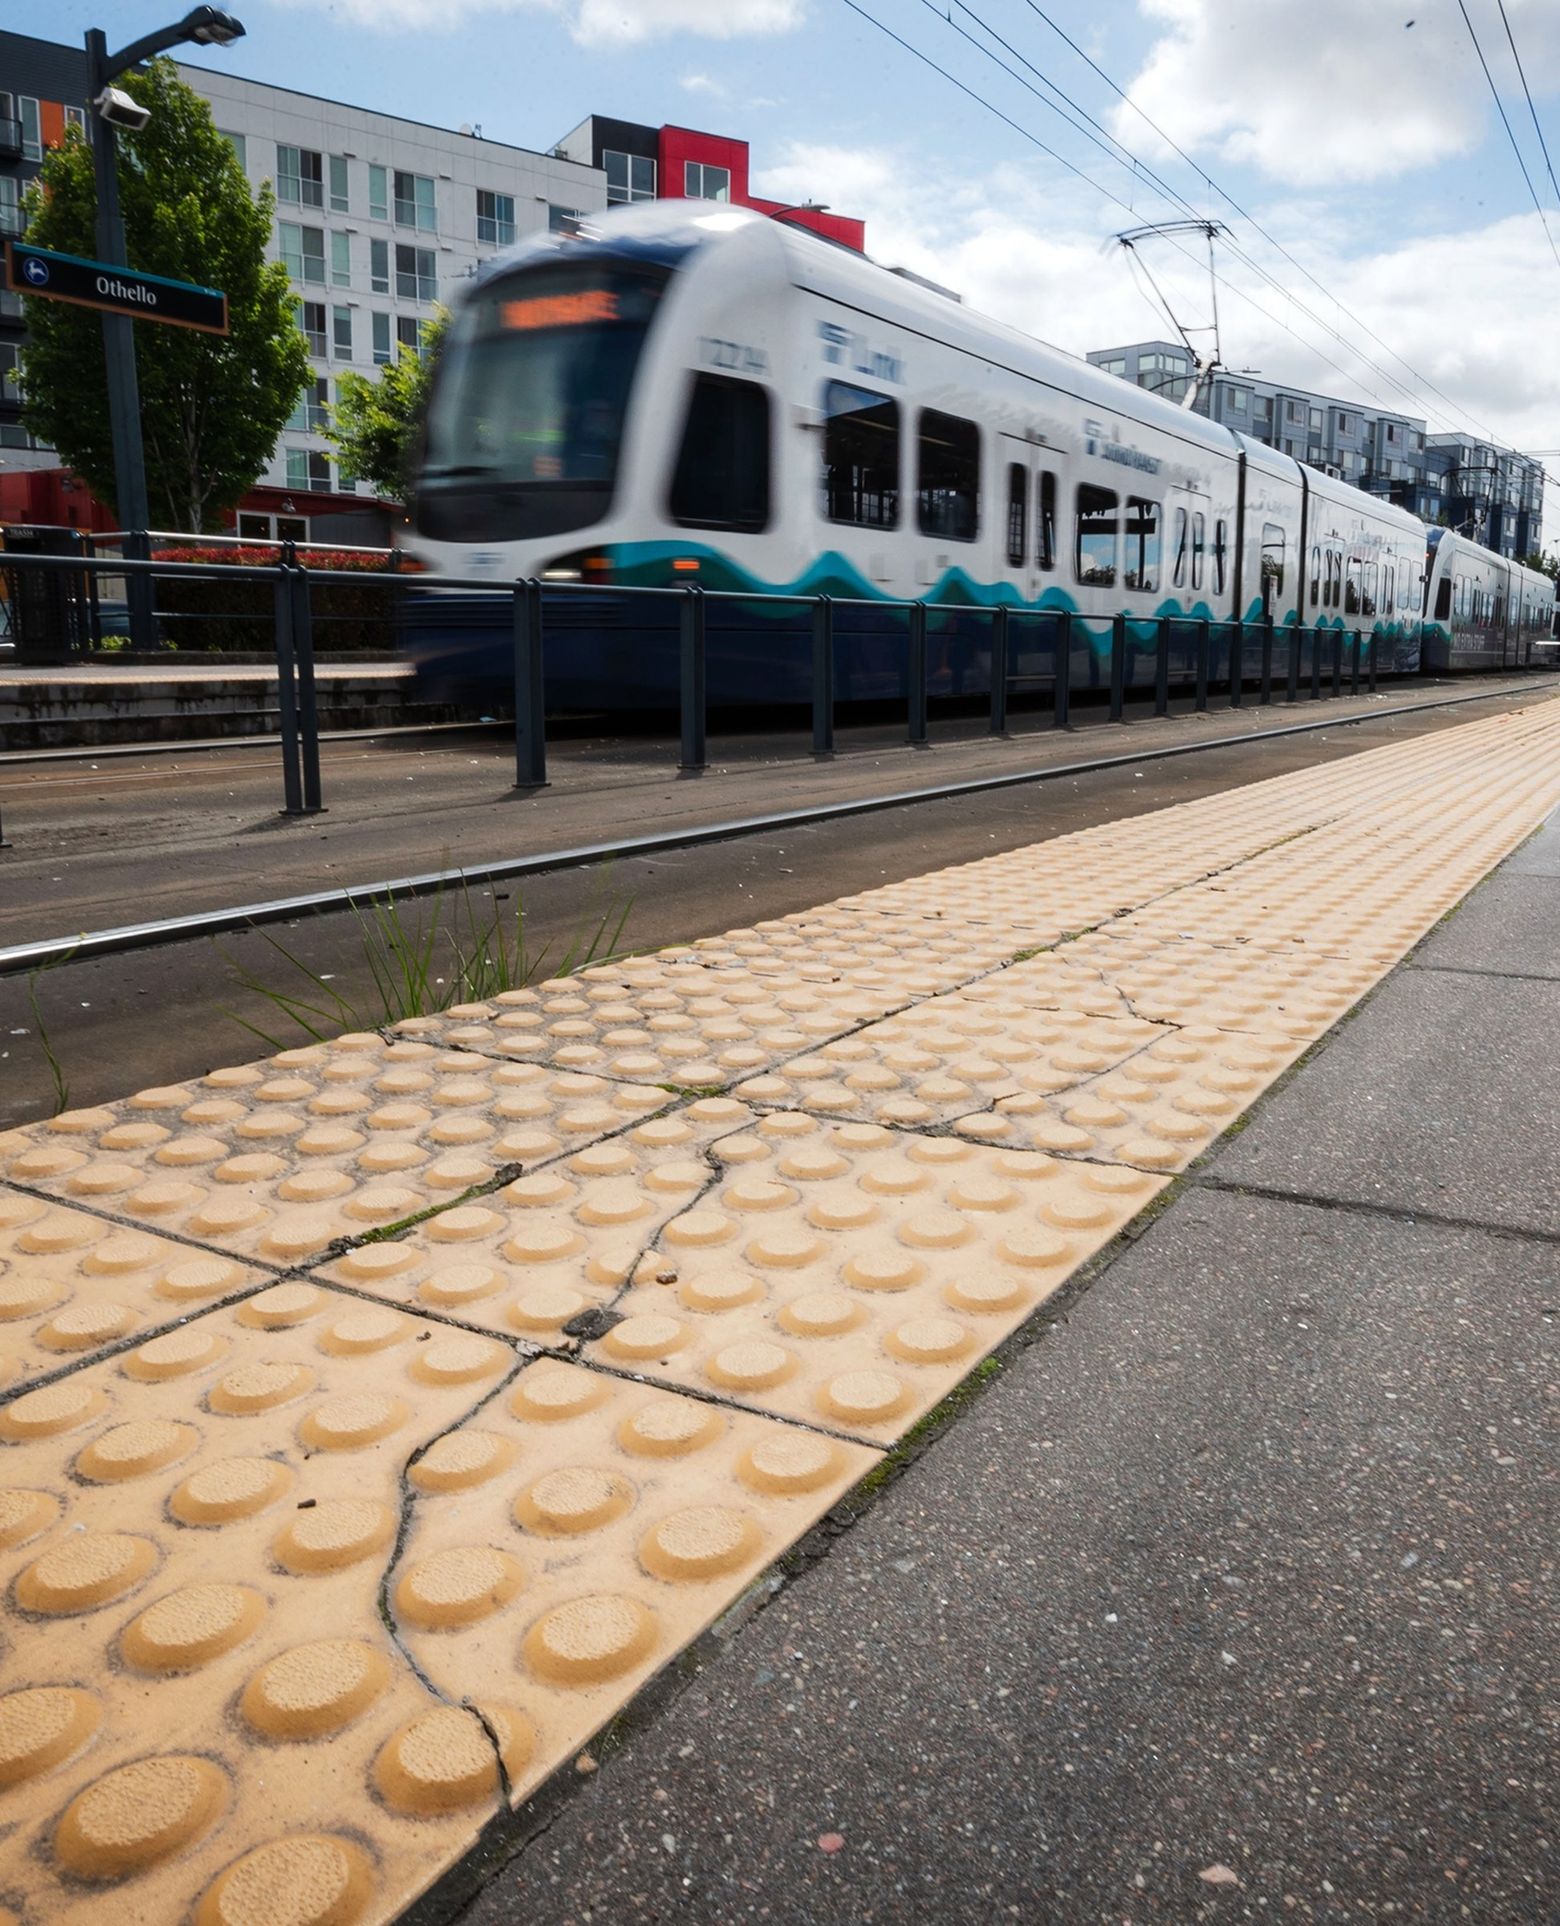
1545, 564
375, 425
212, 406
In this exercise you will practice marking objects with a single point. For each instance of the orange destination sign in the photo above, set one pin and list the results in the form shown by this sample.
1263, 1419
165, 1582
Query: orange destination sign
560, 310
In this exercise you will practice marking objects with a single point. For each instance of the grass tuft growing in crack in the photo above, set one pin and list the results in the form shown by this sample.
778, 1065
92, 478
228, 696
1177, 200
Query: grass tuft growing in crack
421, 955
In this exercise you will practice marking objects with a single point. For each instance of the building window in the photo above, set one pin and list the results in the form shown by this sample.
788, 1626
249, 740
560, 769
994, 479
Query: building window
1316, 421
564, 220
722, 475
303, 252
1115, 364
1095, 557
311, 319
341, 333
254, 528
408, 335
340, 259
300, 177
307, 469
1292, 412
1018, 515
414, 201
630, 177
239, 146
702, 183
1345, 425
381, 340
1238, 400
312, 409
948, 477
860, 456
12, 219
76, 117
1140, 562
32, 137
495, 219
378, 194
1045, 523
339, 202
379, 266
10, 374
415, 279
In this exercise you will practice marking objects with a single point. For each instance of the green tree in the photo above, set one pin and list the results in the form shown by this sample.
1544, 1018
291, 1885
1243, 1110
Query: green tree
1545, 564
212, 405
375, 424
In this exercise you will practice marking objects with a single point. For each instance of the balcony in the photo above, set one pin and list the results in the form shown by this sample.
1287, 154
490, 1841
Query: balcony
10, 137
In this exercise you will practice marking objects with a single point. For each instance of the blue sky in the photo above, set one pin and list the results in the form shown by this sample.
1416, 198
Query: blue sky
1367, 146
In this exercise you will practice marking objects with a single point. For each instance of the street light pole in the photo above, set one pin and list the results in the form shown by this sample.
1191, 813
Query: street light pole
208, 26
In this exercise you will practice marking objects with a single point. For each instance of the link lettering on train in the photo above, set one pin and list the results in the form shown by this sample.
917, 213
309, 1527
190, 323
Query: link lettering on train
734, 355
846, 349
1097, 442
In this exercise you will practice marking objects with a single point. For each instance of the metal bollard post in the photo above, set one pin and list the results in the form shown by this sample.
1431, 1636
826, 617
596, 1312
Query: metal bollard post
1267, 658
916, 672
287, 694
1372, 684
823, 676
1061, 671
999, 669
1237, 661
1296, 637
1204, 648
308, 700
1337, 662
140, 591
1316, 664
1118, 667
691, 690
530, 698
1162, 668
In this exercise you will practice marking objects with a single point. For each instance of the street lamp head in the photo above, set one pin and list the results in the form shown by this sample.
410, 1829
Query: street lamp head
117, 107
212, 27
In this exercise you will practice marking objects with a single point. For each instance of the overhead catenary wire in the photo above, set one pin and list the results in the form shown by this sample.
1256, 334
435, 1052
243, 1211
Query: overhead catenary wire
1099, 187
1505, 122
1543, 145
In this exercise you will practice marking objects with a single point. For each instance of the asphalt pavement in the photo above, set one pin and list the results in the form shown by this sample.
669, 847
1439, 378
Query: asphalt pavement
1230, 1596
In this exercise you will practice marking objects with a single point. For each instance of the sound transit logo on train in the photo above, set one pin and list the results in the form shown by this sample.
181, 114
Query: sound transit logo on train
849, 350
1097, 442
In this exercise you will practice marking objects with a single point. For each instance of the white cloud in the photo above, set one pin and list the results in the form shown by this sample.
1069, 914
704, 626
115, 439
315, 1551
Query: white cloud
704, 84
1320, 91
1038, 254
600, 23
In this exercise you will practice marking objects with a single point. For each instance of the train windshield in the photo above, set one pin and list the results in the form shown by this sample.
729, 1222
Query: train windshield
526, 416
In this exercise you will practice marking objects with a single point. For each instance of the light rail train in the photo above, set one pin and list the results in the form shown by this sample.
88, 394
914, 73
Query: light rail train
683, 394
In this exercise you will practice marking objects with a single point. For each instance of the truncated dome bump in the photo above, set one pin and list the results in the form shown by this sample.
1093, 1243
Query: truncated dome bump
551, 1395
701, 1542
248, 1388
575, 1498
310, 1880
457, 1586
174, 1354
84, 1571
788, 1461
24, 1514
51, 1410
460, 1460
139, 1814
352, 1423
190, 1627
459, 1360
315, 1688
442, 1761
230, 1488
131, 1450
668, 1427
862, 1397
590, 1639
337, 1532
42, 1727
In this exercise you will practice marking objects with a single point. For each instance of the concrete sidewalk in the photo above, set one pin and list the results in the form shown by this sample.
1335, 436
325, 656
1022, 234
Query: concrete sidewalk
1232, 1596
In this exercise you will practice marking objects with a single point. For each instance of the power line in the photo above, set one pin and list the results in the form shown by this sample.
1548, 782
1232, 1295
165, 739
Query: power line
1542, 143
1501, 110
1175, 198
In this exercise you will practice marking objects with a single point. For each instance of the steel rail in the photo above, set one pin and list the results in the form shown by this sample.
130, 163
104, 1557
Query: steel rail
21, 957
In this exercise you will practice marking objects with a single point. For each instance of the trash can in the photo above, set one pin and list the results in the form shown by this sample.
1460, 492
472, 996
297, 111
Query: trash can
50, 609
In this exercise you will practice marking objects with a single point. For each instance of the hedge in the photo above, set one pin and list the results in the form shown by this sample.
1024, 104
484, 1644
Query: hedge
218, 614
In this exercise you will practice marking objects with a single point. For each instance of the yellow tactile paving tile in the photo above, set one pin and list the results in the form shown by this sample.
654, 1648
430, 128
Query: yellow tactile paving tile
73, 1284
896, 957
950, 1056
658, 1020
526, 1260
194, 1664
281, 1159
848, 1276
581, 1530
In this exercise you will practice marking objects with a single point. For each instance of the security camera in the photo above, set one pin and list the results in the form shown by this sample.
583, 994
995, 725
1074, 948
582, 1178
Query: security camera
116, 107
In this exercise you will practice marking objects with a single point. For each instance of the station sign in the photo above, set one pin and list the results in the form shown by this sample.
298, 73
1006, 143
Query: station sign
116, 290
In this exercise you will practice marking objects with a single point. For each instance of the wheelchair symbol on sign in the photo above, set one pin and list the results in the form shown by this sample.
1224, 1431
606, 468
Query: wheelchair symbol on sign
37, 272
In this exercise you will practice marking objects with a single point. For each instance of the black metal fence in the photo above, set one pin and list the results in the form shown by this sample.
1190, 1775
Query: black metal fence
1230, 658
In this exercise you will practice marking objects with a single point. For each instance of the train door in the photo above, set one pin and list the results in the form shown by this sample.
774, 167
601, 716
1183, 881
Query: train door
1026, 535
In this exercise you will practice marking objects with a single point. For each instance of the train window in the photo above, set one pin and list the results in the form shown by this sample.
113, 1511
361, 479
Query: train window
1199, 541
722, 475
1045, 523
1353, 586
860, 456
1018, 515
1316, 577
1178, 578
1095, 557
1221, 549
1388, 587
1140, 562
1368, 596
948, 477
1272, 563
1443, 600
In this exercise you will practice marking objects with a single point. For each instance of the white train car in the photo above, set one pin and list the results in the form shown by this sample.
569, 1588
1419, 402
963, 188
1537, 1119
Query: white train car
684, 394
1483, 611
